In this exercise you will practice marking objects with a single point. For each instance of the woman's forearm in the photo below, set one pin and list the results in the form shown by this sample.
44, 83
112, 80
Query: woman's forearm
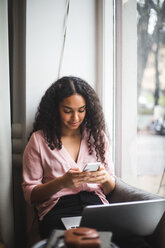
43, 192
108, 186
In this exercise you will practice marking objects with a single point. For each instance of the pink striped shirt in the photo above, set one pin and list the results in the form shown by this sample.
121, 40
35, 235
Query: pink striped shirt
40, 165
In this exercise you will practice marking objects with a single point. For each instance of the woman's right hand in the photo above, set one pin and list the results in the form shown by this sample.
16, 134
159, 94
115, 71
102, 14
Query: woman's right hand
74, 178
71, 179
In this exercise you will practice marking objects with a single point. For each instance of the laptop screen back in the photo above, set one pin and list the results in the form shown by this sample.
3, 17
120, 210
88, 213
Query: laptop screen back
124, 219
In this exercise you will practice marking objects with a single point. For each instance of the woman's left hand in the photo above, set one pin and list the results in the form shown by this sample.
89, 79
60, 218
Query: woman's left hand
102, 177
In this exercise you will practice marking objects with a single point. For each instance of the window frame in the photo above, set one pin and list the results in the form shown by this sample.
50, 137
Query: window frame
121, 117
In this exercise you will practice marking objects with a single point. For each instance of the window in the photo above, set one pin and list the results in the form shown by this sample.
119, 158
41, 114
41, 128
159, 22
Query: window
140, 93
151, 94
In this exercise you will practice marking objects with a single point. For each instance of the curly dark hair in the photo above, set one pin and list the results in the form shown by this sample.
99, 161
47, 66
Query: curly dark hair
47, 117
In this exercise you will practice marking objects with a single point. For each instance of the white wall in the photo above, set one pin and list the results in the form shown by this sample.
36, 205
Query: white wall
45, 26
6, 207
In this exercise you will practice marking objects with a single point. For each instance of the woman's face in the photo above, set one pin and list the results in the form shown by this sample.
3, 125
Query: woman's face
72, 111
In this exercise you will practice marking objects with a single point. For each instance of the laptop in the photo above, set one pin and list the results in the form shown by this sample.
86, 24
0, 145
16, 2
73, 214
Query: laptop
123, 219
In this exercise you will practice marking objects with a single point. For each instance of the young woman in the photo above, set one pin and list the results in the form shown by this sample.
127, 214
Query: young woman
68, 133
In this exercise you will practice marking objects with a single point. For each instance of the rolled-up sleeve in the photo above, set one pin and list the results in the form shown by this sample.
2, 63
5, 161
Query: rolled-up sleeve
32, 167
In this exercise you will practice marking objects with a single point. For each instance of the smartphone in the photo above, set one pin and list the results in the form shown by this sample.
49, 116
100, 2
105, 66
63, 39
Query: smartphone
92, 166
